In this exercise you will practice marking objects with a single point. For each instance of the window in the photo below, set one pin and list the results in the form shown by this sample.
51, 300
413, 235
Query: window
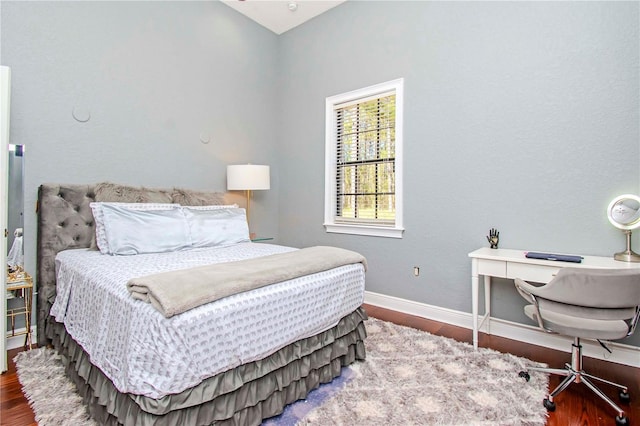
363, 169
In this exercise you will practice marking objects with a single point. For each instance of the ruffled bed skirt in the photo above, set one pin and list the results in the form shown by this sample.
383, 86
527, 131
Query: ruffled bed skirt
243, 396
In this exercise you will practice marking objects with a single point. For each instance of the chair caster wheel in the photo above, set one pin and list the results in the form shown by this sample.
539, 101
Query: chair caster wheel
549, 405
621, 421
525, 374
624, 397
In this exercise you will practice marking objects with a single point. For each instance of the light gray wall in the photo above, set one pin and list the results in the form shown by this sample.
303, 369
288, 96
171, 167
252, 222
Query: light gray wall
523, 116
154, 77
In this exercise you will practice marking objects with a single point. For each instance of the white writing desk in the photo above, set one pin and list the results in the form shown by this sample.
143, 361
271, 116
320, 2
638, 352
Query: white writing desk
504, 263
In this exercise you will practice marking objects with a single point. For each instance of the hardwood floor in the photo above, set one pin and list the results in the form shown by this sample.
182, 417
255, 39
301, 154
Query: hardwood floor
14, 407
575, 406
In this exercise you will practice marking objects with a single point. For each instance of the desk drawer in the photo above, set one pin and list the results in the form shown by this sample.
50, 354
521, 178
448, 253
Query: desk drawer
493, 268
535, 273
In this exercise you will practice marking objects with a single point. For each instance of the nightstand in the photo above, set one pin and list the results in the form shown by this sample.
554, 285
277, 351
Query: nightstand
21, 286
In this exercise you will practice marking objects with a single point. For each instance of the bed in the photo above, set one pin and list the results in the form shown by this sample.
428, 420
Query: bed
235, 360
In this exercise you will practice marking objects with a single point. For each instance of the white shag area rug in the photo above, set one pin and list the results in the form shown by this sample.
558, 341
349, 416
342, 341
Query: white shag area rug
410, 377
52, 396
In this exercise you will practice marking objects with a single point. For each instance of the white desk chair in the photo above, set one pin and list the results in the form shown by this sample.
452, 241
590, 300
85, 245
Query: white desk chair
599, 304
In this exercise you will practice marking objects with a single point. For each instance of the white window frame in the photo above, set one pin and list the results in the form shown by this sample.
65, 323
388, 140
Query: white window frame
362, 228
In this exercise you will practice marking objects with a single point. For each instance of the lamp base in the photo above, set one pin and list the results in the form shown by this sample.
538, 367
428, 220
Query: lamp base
627, 256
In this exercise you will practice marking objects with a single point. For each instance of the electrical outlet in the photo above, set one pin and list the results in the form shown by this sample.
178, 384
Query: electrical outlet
416, 271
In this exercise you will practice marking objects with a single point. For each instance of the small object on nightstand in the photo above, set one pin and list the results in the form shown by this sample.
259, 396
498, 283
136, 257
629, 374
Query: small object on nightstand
255, 239
493, 238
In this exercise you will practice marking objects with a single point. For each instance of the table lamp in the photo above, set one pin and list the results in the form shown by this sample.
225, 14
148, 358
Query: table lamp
248, 177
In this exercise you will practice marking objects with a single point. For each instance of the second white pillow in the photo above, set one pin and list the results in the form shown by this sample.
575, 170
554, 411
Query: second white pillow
216, 227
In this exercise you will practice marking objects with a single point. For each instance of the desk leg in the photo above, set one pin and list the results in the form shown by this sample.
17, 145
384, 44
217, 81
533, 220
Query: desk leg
474, 300
487, 301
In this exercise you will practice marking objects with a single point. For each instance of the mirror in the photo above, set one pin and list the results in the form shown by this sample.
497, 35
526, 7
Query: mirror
15, 208
15, 213
624, 213
15, 251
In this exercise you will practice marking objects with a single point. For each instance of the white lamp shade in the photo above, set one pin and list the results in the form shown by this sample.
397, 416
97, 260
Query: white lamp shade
248, 177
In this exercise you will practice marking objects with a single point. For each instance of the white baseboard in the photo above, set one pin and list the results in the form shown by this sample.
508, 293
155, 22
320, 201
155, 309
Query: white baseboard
622, 354
18, 341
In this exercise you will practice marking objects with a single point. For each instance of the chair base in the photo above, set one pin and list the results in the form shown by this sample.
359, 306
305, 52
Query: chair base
575, 374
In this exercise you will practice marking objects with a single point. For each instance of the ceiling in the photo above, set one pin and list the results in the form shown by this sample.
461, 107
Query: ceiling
281, 15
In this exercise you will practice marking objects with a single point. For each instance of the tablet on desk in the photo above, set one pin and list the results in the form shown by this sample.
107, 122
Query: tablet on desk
552, 256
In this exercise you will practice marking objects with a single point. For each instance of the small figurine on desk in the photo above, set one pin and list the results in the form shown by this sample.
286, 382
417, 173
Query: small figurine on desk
493, 238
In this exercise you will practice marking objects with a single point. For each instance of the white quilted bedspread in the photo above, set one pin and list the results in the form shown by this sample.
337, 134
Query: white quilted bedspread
144, 353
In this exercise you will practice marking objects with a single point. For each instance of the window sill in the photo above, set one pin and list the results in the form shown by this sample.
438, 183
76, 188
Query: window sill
373, 231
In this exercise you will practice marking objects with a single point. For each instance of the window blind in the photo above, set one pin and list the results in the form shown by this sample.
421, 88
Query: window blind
365, 160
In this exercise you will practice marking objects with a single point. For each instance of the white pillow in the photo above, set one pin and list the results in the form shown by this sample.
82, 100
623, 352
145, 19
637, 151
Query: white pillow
96, 208
216, 227
145, 231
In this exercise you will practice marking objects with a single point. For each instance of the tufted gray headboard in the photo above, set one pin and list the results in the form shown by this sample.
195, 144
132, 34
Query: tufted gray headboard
65, 222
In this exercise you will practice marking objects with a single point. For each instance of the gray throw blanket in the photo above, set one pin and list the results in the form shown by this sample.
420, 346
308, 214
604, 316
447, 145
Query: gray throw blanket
175, 292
